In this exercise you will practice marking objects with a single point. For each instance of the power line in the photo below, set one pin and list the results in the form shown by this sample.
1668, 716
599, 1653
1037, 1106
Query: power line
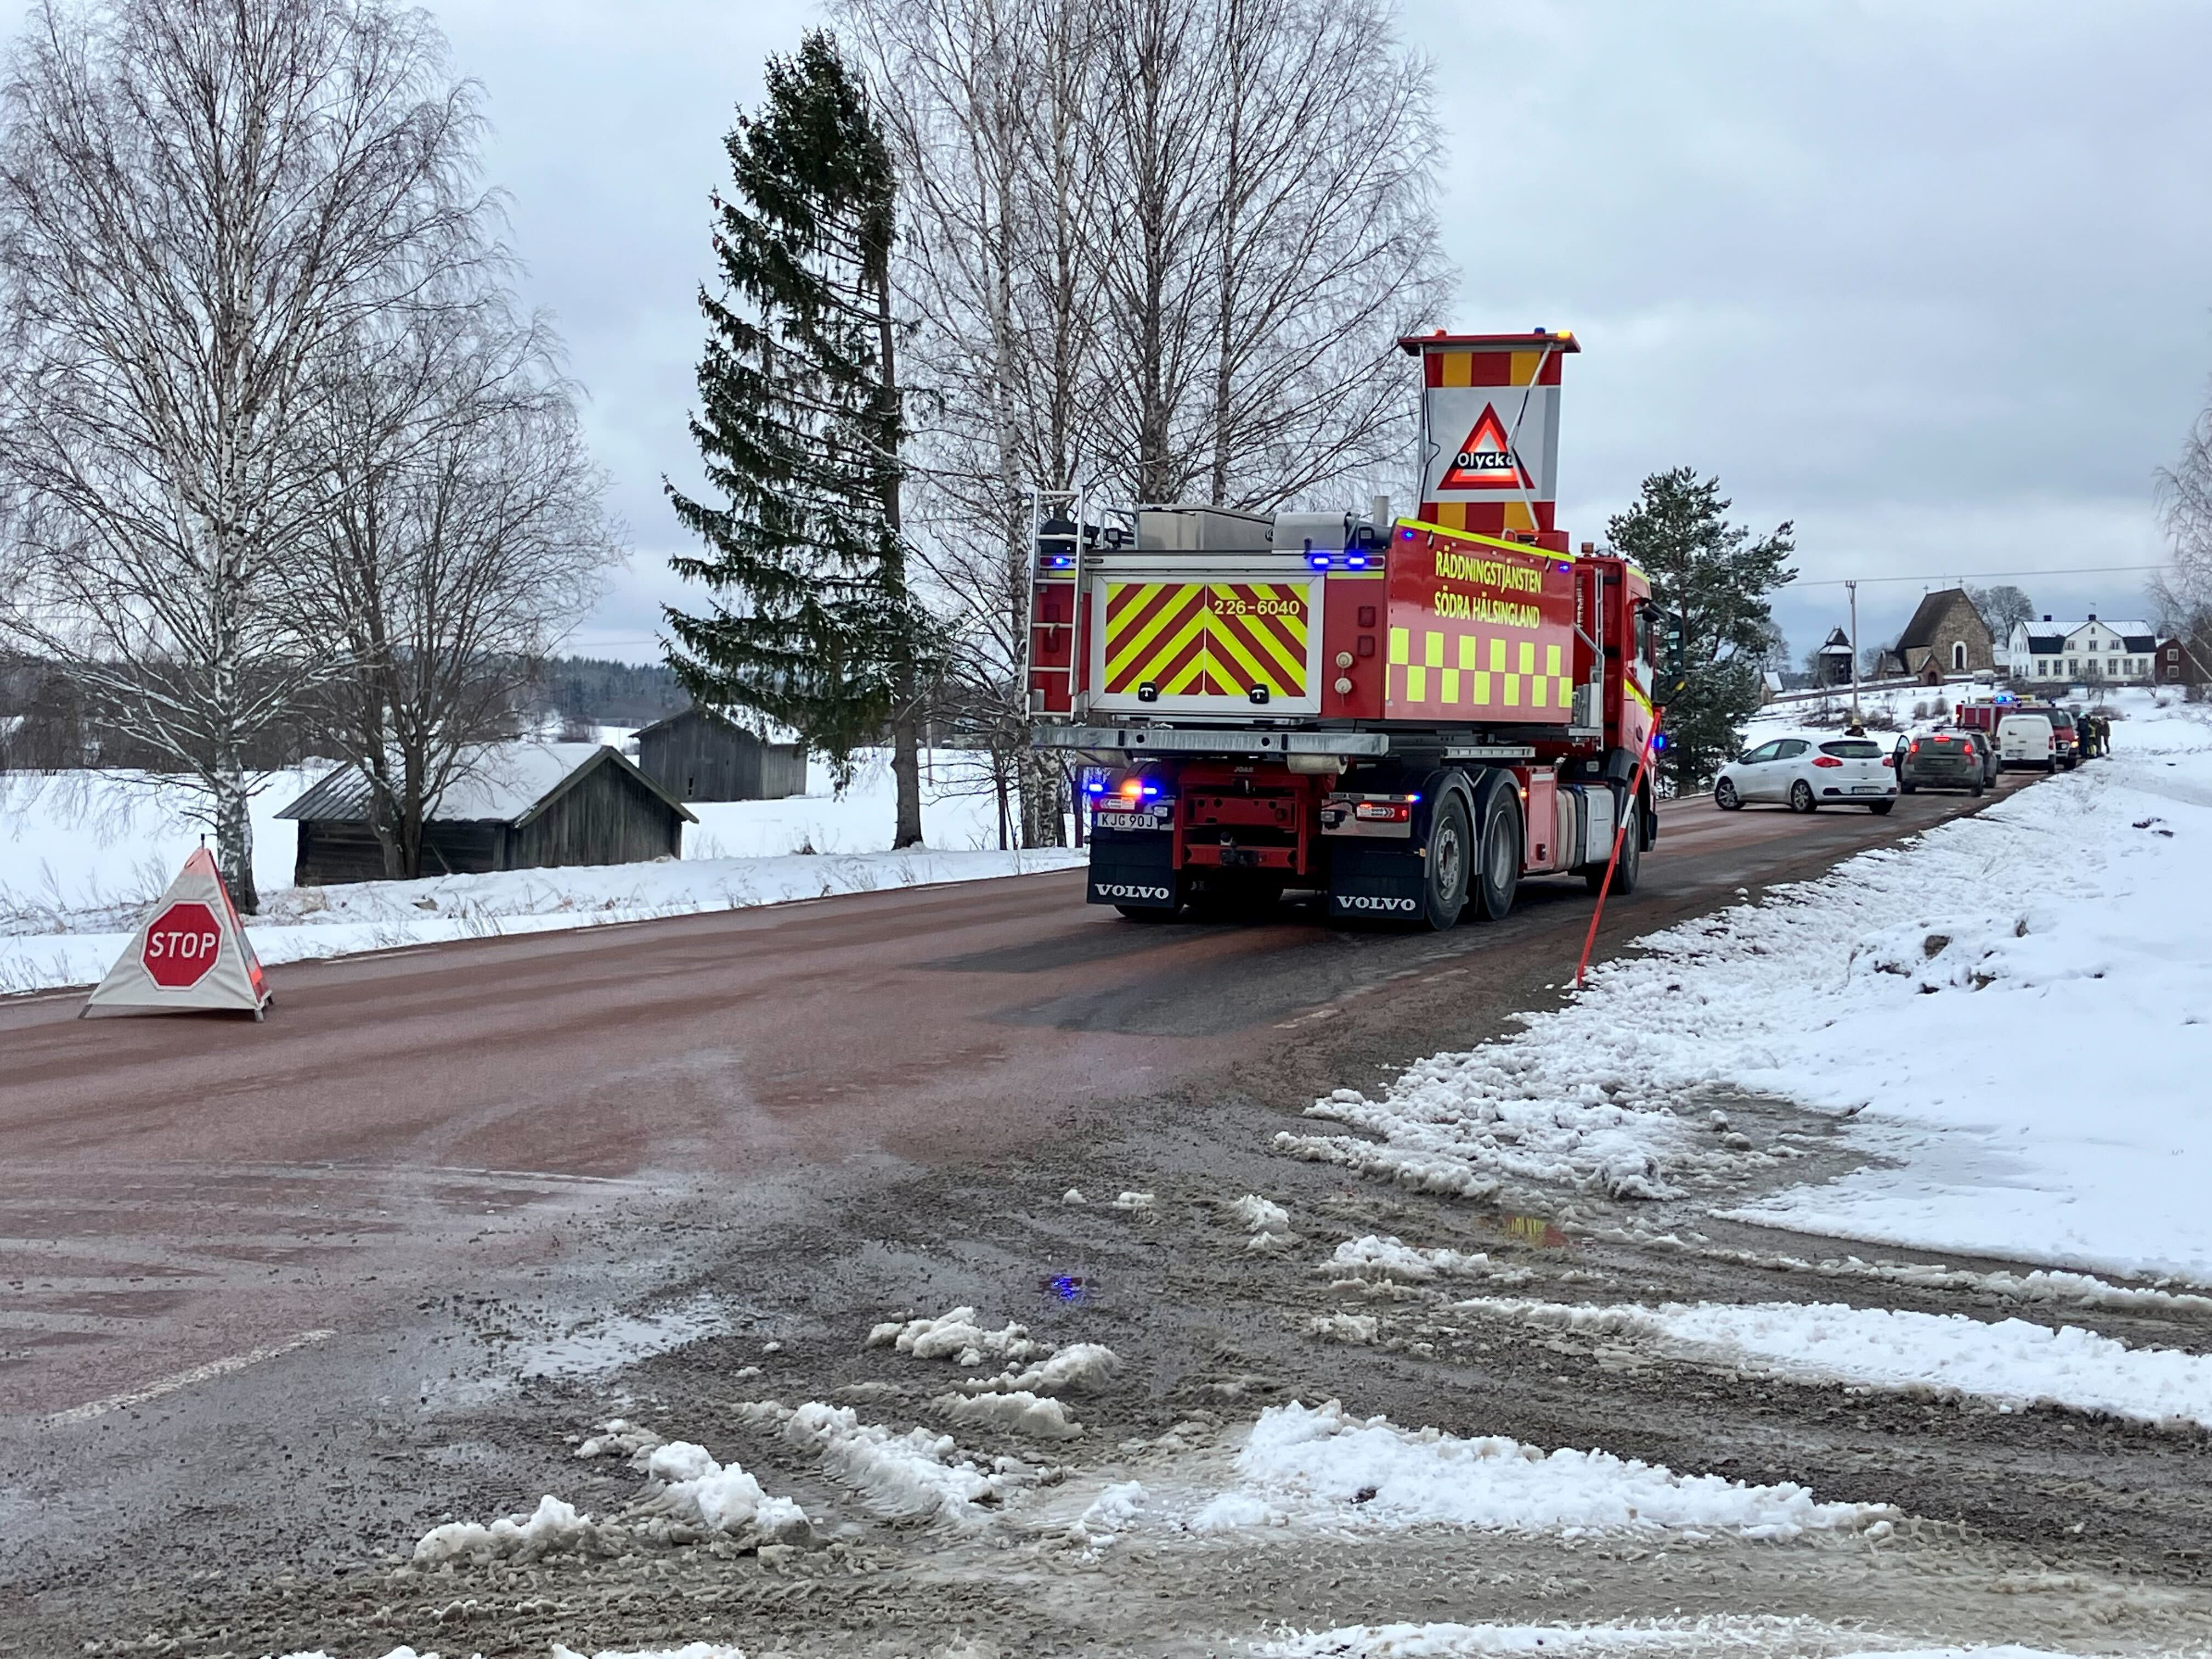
1984, 575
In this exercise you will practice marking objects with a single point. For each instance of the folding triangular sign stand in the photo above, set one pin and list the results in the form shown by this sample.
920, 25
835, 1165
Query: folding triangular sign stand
190, 952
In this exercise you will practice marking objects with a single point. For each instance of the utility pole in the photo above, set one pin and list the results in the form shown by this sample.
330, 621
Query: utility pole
1852, 588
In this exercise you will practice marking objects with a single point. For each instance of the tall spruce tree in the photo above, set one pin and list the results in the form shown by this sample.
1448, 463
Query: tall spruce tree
812, 624
1711, 579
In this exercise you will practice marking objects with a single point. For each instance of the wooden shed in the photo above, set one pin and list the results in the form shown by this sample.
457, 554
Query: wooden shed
699, 755
522, 807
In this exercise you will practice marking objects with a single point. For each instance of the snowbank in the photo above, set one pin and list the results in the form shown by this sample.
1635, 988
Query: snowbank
2010, 1361
721, 1498
2013, 1005
1779, 1638
1323, 1465
82, 855
956, 1336
1371, 1257
553, 1525
913, 1475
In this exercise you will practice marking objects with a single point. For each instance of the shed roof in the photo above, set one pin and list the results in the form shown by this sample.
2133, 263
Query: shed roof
506, 783
776, 736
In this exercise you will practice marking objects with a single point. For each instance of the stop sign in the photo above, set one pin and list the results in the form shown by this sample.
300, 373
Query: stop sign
181, 944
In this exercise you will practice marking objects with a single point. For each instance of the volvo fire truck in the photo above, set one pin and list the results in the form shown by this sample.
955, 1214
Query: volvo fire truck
1407, 715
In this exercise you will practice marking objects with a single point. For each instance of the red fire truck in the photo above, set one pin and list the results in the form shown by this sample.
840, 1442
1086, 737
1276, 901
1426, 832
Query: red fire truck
1406, 715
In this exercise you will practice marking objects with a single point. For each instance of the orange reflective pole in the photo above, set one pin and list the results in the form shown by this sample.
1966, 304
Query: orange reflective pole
1635, 793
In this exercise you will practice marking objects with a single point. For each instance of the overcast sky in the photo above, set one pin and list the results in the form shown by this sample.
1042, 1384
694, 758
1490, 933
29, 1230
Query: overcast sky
1933, 281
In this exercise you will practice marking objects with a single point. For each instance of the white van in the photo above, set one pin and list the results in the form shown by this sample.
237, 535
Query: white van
2027, 740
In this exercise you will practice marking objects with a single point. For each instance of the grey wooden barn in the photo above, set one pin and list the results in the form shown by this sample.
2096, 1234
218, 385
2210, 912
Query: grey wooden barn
522, 807
699, 755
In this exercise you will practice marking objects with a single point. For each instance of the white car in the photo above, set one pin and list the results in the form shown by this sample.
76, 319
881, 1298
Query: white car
2028, 740
1809, 770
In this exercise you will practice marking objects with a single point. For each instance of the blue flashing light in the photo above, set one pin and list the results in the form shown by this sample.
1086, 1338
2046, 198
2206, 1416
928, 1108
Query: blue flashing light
1318, 561
1356, 561
1414, 799
1406, 535
1095, 788
1151, 789
1659, 742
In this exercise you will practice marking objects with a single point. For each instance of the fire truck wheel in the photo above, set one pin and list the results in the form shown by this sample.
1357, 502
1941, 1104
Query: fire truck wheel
1629, 870
1498, 868
1444, 894
1802, 798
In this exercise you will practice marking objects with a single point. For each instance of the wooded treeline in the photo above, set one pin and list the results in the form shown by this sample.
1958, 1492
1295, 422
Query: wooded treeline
277, 447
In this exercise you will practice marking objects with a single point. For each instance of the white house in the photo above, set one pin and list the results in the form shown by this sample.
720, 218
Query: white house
2092, 652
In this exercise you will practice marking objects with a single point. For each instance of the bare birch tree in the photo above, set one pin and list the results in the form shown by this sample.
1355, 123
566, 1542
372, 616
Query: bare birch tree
2182, 592
1162, 247
198, 200
1000, 271
1268, 166
465, 530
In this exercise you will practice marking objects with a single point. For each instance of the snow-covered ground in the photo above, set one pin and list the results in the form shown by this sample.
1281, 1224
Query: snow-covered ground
1715, 1633
2010, 1362
1326, 1467
83, 854
2011, 1008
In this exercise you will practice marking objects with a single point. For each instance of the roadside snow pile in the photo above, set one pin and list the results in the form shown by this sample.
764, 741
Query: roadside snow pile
2012, 1361
913, 1475
1260, 1215
552, 1527
1751, 1636
1110, 1514
1945, 989
1306, 1464
83, 854
1133, 1201
1017, 1411
1084, 1367
1374, 1258
690, 1650
618, 1435
2040, 1286
956, 1336
719, 1497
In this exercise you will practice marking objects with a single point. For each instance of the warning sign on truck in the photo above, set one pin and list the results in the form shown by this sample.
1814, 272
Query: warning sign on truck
1486, 460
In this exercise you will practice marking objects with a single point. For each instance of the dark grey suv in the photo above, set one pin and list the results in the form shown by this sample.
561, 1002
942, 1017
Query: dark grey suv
1944, 760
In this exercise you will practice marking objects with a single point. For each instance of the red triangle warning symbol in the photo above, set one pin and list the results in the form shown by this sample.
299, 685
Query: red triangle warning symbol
1485, 460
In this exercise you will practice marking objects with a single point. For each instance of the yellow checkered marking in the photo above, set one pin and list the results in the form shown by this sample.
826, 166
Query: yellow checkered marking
1206, 638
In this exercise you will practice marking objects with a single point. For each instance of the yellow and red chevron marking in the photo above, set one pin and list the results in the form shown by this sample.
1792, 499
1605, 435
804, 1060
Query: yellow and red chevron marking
1206, 638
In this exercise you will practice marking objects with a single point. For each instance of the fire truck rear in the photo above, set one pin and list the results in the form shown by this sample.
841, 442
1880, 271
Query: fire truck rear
1407, 715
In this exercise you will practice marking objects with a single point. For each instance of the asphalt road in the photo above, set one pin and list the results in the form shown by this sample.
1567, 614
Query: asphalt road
182, 1196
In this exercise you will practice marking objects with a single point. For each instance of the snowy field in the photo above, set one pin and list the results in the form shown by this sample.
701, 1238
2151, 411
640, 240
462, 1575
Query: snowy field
2011, 1010
83, 854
